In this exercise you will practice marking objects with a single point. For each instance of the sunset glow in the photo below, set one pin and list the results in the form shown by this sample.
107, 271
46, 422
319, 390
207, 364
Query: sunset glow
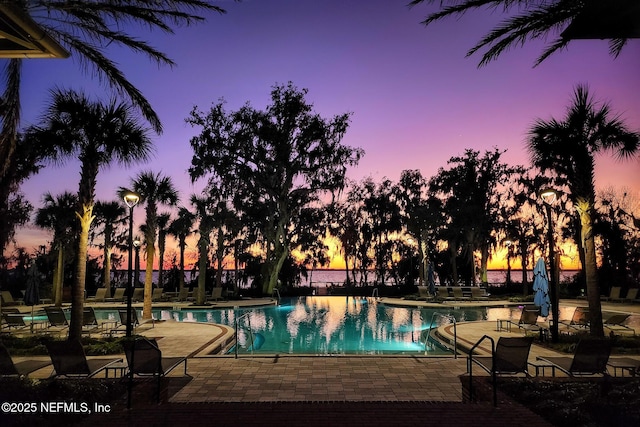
415, 99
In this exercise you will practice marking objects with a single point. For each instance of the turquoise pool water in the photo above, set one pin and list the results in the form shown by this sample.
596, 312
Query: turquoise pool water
329, 325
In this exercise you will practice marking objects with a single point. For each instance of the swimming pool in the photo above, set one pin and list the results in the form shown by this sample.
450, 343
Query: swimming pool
330, 325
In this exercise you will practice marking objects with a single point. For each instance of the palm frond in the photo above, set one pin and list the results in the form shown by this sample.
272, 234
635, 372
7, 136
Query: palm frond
106, 69
517, 30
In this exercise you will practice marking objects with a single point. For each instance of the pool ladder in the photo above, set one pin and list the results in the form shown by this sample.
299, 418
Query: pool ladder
455, 331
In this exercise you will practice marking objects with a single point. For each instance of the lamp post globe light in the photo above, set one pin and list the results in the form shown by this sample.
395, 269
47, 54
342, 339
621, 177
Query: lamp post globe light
548, 196
131, 199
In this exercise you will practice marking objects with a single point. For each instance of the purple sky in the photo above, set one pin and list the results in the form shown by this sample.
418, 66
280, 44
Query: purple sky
416, 100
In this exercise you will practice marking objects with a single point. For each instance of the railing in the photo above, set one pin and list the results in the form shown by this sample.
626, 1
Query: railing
250, 333
277, 293
375, 293
493, 368
455, 331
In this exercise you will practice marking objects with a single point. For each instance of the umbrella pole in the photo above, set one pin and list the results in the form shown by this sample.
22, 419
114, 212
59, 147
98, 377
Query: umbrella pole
31, 319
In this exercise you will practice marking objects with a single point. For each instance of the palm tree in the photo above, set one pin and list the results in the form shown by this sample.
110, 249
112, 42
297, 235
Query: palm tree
567, 148
180, 228
98, 134
110, 214
58, 214
203, 207
535, 20
163, 221
84, 28
154, 189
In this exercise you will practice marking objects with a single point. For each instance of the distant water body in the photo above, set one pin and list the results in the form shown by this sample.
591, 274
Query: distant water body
324, 278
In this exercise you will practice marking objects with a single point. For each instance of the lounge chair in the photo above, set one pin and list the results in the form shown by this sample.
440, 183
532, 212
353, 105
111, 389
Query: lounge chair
182, 295
14, 321
90, 322
528, 321
100, 296
624, 364
138, 294
631, 295
7, 299
614, 294
158, 295
69, 360
20, 369
57, 319
508, 357
135, 321
615, 324
479, 294
443, 294
145, 359
590, 358
216, 294
458, 295
118, 295
579, 321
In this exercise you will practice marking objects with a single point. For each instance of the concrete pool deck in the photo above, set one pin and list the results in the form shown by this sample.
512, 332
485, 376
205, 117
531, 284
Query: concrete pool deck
317, 390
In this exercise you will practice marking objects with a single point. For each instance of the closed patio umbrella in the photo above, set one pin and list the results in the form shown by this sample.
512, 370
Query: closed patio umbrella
541, 288
32, 293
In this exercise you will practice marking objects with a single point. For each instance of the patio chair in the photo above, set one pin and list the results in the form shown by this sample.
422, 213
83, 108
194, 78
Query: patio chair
590, 358
158, 295
138, 294
508, 357
135, 320
579, 321
20, 369
631, 295
182, 295
14, 321
458, 295
614, 294
57, 319
7, 299
528, 321
443, 294
90, 322
216, 294
100, 296
479, 294
615, 324
69, 360
423, 293
144, 359
118, 295
624, 364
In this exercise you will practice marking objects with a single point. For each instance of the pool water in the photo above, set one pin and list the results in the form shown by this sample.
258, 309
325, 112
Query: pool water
330, 325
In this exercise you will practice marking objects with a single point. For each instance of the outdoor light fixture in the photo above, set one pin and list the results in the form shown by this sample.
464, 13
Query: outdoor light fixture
508, 243
131, 199
548, 196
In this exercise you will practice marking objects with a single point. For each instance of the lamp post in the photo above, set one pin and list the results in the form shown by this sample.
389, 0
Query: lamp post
548, 196
136, 248
131, 199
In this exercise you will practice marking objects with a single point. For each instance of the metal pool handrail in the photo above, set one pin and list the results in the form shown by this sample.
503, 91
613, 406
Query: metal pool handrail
250, 332
276, 292
455, 331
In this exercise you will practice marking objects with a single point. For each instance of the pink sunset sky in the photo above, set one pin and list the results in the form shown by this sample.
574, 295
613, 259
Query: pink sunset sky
416, 100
